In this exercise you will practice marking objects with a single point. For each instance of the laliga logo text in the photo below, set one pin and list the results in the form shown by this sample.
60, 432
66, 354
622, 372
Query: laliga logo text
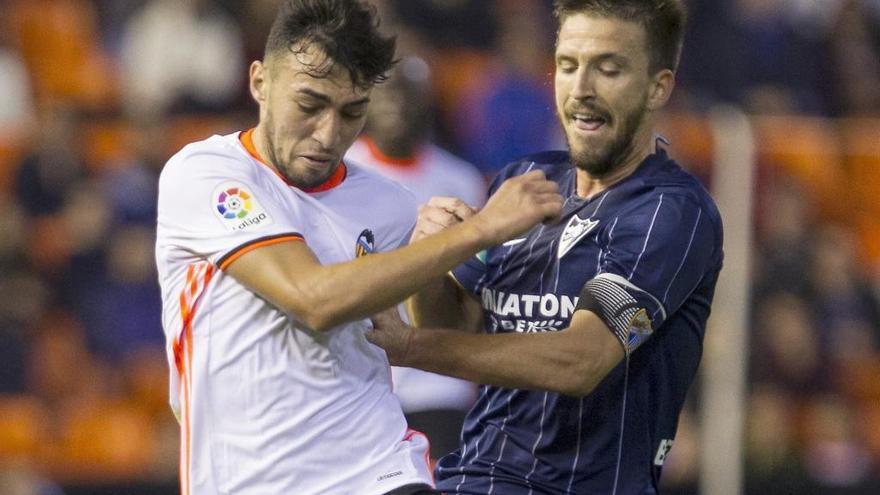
255, 220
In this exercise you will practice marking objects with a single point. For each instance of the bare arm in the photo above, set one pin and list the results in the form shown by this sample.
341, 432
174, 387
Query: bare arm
443, 303
322, 296
571, 361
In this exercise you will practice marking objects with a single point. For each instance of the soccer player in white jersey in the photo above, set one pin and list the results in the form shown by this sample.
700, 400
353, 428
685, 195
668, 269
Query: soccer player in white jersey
396, 143
266, 292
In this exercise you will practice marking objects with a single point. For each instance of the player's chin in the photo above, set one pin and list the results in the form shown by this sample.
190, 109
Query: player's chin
307, 177
589, 160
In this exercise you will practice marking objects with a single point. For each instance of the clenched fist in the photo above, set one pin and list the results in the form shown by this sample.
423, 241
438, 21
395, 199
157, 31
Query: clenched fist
518, 204
439, 213
391, 334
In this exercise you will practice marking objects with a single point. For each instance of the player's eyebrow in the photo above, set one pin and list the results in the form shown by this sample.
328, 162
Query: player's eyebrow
326, 99
314, 94
613, 57
602, 57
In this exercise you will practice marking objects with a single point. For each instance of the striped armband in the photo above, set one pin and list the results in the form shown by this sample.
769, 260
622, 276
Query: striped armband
622, 306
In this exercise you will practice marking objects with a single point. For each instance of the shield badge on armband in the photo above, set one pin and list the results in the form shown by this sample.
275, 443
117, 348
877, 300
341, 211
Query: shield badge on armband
364, 245
640, 328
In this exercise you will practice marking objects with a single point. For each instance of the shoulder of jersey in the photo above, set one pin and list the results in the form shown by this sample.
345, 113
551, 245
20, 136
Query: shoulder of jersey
671, 178
213, 151
673, 181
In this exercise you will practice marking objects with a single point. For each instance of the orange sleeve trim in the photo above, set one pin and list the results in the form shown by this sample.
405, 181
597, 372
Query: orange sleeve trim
236, 253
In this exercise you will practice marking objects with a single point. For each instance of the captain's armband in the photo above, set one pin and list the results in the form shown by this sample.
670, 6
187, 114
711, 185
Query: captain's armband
623, 307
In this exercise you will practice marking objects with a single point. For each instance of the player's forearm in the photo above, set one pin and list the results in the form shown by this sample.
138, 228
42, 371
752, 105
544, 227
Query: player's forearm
440, 304
357, 289
555, 361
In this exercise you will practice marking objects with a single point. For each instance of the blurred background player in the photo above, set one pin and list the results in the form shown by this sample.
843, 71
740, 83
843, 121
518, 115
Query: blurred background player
397, 139
397, 144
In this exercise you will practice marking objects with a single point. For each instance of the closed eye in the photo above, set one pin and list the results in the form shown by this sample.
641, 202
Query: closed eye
355, 111
309, 109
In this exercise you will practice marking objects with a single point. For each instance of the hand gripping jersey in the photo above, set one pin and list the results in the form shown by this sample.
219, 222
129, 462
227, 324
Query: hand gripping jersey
648, 250
266, 405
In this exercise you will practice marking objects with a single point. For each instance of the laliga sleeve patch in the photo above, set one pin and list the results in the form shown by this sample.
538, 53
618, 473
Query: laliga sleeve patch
237, 208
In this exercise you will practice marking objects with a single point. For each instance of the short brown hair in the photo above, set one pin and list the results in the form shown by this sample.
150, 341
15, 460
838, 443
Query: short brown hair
347, 31
663, 21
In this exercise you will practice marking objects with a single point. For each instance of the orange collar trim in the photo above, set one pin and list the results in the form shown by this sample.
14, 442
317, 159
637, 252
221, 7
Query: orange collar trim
388, 160
339, 175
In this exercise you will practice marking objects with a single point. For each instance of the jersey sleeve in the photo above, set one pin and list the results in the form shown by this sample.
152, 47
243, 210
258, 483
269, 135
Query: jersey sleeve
469, 273
656, 255
215, 208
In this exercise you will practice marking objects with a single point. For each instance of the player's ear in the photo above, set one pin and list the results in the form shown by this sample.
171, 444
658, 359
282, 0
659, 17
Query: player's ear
258, 81
661, 89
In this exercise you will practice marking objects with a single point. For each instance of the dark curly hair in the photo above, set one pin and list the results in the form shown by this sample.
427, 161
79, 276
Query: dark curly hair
346, 31
663, 21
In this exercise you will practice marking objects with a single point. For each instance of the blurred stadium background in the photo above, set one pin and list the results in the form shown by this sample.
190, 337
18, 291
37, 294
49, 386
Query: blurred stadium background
777, 108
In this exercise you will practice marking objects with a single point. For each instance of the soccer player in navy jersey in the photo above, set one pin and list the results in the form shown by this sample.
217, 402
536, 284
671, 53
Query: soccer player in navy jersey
593, 324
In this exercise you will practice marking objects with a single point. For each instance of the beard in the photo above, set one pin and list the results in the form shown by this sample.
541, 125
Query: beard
601, 161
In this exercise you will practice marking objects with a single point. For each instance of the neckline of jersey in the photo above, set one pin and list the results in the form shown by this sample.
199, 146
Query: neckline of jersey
409, 162
658, 156
247, 140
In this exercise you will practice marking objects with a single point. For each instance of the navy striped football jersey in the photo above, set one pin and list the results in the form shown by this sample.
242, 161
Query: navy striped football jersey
646, 252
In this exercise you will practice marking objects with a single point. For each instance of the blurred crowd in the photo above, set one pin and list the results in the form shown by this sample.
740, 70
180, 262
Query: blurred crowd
95, 95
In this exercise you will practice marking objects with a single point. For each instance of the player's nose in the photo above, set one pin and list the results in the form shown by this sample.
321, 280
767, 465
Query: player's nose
328, 131
584, 86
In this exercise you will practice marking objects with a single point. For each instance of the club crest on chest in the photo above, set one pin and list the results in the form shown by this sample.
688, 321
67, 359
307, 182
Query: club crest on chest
365, 243
576, 229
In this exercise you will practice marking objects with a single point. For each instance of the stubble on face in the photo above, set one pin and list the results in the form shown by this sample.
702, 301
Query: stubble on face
602, 86
602, 161
311, 118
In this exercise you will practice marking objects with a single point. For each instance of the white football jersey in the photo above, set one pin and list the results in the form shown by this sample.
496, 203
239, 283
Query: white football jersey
266, 405
431, 172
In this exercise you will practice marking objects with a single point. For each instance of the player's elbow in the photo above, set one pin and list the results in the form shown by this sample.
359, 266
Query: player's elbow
581, 388
321, 315
311, 311
318, 321
582, 378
